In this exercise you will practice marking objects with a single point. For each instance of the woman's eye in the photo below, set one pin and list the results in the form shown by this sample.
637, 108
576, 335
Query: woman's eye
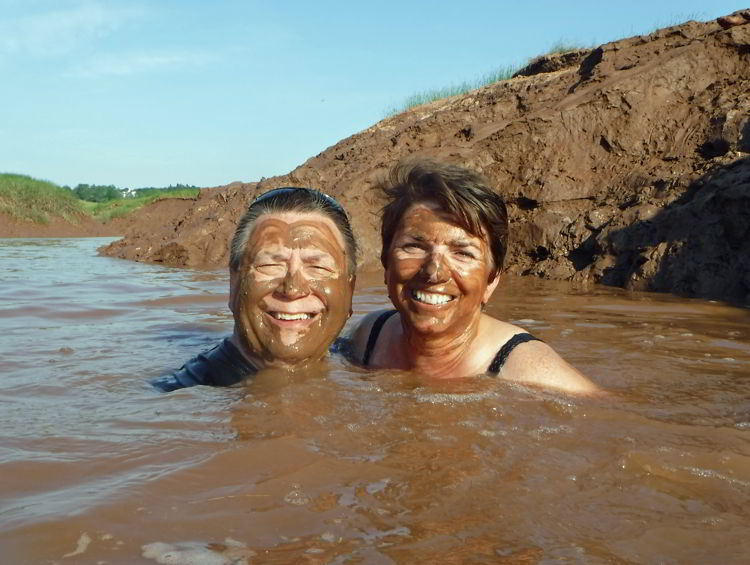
466, 254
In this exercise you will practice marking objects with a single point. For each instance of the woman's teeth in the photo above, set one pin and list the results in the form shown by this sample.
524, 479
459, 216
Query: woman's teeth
285, 316
431, 297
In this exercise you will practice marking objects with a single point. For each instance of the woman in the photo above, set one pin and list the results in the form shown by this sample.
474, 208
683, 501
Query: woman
444, 237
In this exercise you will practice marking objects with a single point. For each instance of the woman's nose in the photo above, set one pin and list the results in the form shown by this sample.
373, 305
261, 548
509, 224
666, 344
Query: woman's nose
435, 268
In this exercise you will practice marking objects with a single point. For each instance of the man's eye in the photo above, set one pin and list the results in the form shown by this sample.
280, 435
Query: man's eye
320, 269
270, 268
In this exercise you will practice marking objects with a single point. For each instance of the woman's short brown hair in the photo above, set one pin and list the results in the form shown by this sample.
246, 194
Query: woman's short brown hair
460, 192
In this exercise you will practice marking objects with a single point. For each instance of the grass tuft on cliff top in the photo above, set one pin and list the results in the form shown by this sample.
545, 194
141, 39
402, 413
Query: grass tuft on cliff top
27, 198
426, 96
498, 75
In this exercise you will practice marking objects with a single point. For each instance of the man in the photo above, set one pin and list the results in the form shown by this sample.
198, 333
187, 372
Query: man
292, 272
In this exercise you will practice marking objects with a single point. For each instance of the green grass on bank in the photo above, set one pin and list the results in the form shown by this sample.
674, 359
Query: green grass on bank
498, 75
106, 211
424, 97
26, 198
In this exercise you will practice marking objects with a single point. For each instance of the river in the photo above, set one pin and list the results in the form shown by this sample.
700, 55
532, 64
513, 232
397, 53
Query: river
344, 465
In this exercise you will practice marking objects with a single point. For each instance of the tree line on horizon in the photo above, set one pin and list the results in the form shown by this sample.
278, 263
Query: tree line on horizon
106, 193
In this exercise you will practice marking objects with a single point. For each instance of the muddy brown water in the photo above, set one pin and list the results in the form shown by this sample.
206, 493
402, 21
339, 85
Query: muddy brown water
349, 466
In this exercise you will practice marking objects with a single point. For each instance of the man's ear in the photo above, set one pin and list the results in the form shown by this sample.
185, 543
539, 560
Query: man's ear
234, 284
491, 288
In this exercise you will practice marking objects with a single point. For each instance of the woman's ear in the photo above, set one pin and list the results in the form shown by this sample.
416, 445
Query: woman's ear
352, 284
384, 262
494, 281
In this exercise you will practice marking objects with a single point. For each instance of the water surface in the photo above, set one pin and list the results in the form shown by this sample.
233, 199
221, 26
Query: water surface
348, 466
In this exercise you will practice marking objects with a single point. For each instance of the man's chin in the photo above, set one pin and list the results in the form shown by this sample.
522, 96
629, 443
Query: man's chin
291, 364
294, 356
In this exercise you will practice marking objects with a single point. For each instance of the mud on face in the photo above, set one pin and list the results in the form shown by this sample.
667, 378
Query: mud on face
438, 275
292, 294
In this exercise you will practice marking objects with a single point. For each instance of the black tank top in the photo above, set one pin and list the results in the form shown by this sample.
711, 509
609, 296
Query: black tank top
497, 363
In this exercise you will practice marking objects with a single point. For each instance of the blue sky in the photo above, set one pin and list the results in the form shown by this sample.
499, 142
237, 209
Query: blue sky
137, 93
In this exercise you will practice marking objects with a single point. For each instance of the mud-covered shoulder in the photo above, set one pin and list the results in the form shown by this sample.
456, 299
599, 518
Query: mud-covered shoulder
359, 335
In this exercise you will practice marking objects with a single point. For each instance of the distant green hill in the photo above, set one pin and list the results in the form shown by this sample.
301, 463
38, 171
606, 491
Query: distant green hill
27, 198
105, 211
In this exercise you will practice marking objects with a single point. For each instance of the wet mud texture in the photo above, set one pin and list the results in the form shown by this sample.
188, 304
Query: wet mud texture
627, 165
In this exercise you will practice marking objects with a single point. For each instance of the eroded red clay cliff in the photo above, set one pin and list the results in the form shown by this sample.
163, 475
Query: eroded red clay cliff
631, 167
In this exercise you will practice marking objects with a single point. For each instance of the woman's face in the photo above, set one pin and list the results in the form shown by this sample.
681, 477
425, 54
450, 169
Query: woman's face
292, 293
437, 273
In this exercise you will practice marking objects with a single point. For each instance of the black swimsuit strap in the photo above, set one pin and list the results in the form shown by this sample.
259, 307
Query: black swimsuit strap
374, 333
505, 351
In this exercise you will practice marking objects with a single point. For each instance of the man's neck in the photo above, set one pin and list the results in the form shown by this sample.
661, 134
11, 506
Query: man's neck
259, 362
241, 345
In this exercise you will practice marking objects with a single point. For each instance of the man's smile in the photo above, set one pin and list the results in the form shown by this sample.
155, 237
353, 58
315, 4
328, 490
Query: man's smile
288, 316
295, 321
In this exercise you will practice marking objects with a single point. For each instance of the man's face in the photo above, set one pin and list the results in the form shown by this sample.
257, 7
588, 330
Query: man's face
292, 293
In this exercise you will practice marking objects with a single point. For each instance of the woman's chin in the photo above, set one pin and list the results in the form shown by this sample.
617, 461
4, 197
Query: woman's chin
427, 325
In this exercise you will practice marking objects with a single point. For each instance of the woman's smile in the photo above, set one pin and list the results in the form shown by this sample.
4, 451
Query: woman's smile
431, 297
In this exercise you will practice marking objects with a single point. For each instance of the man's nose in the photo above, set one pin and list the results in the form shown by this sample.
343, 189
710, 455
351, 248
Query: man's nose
294, 284
435, 268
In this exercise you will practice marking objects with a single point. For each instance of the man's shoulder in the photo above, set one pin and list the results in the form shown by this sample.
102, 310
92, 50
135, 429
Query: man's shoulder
222, 365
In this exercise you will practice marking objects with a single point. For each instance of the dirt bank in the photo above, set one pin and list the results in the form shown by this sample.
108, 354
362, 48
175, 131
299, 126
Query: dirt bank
83, 226
628, 165
86, 226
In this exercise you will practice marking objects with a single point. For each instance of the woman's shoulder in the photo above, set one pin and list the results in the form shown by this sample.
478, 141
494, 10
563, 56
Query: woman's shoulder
494, 332
360, 335
534, 362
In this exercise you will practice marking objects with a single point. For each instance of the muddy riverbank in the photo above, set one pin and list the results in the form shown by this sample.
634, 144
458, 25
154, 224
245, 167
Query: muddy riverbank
628, 166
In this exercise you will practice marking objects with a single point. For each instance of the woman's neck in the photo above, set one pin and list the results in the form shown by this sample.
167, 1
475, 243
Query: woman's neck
441, 355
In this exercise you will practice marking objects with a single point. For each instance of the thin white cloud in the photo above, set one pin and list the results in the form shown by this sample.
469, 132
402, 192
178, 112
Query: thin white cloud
58, 31
124, 64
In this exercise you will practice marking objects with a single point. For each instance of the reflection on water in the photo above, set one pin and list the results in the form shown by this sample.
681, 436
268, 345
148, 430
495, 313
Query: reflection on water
348, 466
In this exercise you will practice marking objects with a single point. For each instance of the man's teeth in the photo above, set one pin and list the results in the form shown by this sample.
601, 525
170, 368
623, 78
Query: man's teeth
285, 316
431, 297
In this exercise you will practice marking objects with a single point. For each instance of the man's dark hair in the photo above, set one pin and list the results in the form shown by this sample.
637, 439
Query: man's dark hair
293, 199
461, 193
